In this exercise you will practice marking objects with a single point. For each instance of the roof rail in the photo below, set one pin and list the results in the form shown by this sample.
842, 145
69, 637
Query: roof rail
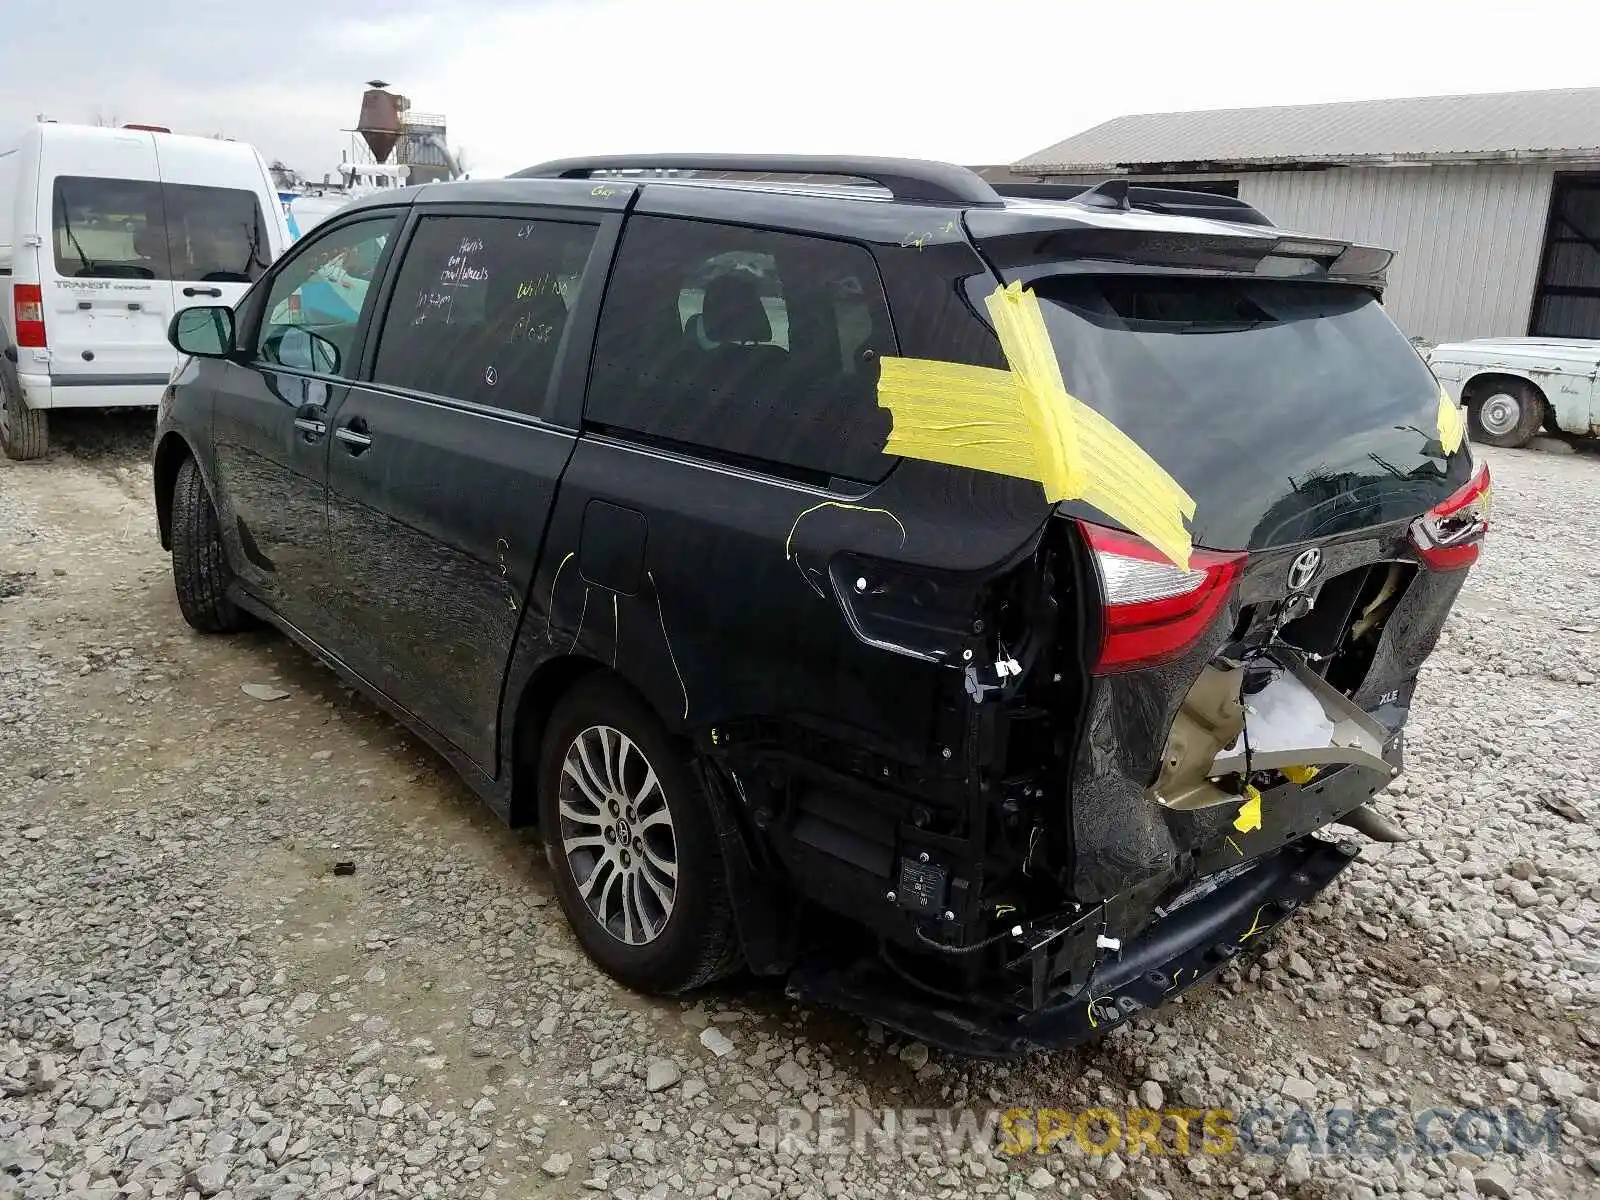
1119, 193
908, 179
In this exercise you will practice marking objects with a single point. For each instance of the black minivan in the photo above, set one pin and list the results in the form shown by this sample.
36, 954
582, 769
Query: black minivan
589, 476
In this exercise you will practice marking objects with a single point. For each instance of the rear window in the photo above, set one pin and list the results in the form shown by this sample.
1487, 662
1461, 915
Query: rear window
139, 229
216, 235
1287, 410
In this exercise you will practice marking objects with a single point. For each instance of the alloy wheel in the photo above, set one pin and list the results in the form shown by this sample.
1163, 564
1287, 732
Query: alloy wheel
617, 835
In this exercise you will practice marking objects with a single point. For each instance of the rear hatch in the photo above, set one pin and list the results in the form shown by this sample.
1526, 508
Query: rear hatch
107, 294
1306, 428
145, 225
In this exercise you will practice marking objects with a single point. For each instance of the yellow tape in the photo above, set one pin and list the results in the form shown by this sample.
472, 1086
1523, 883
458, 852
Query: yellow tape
1452, 431
1301, 775
1249, 817
1024, 423
959, 415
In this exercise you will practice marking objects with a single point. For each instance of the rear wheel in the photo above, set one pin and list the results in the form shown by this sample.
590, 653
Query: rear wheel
632, 845
1505, 412
24, 431
200, 570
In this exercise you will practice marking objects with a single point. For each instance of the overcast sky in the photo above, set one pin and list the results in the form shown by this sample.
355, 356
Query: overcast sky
977, 82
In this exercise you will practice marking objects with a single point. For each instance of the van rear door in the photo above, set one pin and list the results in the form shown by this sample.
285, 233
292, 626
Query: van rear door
104, 272
218, 232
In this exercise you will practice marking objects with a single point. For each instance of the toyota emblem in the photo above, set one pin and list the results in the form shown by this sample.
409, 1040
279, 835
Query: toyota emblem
1304, 569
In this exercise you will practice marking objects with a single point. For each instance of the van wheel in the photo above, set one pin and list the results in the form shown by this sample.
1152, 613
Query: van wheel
1505, 412
200, 570
24, 431
632, 845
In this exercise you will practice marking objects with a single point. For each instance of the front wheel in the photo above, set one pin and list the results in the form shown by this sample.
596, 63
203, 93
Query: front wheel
200, 570
24, 431
1508, 412
632, 845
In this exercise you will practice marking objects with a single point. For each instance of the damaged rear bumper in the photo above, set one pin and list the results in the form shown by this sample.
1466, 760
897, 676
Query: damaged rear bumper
1194, 938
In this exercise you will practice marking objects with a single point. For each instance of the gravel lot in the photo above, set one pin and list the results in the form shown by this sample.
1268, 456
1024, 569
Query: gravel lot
195, 1002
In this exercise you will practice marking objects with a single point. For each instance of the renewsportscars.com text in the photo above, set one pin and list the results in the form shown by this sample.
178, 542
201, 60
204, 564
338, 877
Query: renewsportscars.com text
1332, 1132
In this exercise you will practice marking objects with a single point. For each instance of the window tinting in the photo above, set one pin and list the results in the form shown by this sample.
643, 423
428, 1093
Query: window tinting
760, 345
139, 229
480, 306
1287, 410
314, 307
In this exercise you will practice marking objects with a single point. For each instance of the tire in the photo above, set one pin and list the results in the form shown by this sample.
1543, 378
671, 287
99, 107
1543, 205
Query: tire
651, 945
24, 431
200, 570
1505, 412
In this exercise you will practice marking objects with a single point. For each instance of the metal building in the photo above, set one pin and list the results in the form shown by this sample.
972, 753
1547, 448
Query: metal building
1492, 201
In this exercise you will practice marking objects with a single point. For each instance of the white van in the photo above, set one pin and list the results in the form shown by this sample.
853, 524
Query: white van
104, 234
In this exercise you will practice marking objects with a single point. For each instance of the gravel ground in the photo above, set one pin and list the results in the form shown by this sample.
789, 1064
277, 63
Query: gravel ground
268, 949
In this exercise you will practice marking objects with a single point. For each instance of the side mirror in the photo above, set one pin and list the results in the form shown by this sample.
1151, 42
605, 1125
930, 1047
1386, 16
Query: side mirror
205, 332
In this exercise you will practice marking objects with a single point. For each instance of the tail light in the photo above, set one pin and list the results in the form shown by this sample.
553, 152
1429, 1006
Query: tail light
1448, 536
1154, 611
28, 299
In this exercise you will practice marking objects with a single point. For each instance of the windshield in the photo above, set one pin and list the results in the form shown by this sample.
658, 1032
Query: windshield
1289, 411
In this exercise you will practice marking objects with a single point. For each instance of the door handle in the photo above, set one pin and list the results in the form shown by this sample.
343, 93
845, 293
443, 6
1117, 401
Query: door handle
354, 435
202, 291
308, 419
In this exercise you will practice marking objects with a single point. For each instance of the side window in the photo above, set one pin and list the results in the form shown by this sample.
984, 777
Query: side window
314, 305
761, 345
479, 308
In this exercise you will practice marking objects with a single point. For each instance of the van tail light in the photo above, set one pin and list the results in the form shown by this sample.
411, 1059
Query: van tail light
28, 299
1449, 535
1155, 611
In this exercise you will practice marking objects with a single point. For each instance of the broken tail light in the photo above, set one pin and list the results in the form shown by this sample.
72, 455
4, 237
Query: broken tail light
1154, 610
1449, 535
28, 300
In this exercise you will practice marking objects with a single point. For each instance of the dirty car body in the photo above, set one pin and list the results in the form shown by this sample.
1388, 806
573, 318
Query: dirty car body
983, 767
1557, 380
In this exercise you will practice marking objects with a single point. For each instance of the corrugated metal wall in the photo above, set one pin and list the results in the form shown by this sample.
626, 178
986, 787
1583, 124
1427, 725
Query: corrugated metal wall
1467, 239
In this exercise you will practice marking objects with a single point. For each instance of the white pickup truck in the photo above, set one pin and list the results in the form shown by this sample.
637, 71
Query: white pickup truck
1512, 386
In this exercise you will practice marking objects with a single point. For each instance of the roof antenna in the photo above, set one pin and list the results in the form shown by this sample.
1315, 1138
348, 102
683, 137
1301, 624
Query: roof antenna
1113, 193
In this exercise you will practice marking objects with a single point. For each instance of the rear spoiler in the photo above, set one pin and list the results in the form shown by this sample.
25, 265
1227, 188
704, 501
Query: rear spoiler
1081, 232
1119, 193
